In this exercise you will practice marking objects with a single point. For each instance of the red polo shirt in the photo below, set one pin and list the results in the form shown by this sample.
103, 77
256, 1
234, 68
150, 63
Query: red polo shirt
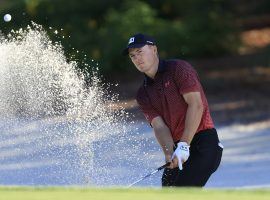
163, 96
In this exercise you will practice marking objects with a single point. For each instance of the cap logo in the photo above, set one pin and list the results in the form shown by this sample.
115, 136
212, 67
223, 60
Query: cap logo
131, 40
149, 42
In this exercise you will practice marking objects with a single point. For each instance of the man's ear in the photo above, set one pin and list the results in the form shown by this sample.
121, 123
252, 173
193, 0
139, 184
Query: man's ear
155, 48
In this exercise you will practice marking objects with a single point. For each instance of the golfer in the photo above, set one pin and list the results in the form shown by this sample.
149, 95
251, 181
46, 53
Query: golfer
173, 102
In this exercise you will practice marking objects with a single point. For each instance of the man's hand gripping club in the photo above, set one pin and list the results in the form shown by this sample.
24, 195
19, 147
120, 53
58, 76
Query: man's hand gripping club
180, 155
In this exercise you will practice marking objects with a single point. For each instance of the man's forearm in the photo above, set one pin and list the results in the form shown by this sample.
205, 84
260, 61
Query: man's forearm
165, 140
192, 122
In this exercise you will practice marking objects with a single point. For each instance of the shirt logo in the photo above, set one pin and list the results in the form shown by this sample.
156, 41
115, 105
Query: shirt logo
131, 40
167, 84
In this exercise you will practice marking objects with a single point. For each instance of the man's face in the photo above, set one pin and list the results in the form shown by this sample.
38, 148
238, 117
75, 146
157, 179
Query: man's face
143, 58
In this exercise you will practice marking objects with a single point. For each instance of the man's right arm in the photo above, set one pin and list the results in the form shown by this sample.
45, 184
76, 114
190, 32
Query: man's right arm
163, 136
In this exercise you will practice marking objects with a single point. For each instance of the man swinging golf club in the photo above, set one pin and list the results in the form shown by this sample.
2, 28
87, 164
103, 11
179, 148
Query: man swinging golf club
173, 102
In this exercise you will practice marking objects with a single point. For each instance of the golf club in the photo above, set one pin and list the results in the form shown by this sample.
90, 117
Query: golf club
153, 172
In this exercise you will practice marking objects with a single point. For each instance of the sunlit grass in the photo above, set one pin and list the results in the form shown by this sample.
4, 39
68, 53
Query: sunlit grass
62, 193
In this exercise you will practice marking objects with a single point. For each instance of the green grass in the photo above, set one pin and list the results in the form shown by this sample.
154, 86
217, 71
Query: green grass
60, 193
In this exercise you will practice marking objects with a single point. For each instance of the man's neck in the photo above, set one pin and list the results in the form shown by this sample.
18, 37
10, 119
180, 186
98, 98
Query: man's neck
153, 70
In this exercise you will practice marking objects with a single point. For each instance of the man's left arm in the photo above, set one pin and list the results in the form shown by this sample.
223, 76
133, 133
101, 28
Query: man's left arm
193, 115
192, 122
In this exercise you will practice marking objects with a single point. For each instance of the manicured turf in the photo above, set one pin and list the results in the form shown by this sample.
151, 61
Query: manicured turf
60, 193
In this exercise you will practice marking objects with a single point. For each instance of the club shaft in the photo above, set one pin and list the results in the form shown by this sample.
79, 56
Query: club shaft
150, 174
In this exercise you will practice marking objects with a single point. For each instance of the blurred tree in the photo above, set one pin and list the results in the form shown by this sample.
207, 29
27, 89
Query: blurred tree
100, 29
209, 27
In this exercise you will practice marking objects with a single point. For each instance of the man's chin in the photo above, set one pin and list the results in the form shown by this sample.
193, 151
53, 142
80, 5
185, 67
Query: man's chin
143, 71
141, 68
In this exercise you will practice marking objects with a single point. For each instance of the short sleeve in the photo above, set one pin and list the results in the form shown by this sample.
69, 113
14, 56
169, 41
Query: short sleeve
145, 105
186, 78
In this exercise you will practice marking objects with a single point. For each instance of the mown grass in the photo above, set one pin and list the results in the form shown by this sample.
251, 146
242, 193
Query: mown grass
66, 193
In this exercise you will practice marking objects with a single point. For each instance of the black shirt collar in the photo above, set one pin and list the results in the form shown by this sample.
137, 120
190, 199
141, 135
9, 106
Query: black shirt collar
161, 69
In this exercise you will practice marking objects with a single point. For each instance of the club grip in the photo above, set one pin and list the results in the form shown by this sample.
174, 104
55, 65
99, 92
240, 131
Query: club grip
163, 166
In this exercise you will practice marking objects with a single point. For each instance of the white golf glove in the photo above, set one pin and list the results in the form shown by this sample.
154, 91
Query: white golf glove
182, 153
